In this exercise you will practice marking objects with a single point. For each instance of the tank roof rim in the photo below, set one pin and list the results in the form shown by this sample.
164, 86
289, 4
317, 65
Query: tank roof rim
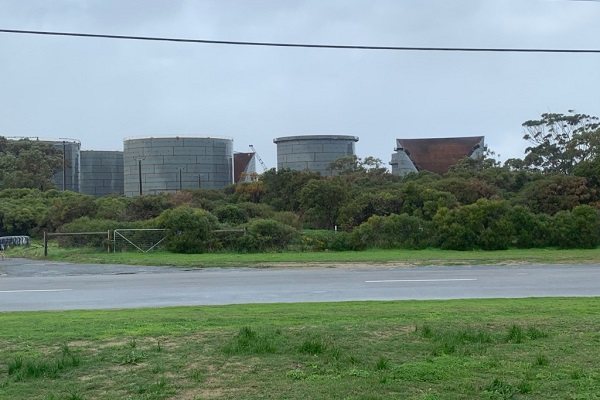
315, 137
183, 136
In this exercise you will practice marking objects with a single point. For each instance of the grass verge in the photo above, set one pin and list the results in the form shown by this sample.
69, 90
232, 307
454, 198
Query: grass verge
284, 259
427, 350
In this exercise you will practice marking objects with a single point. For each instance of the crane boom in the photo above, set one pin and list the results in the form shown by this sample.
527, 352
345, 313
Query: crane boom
264, 167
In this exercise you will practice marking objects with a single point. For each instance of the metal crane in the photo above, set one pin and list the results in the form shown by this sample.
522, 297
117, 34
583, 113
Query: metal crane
264, 167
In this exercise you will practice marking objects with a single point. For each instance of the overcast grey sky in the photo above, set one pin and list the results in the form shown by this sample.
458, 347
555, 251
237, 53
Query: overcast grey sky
101, 91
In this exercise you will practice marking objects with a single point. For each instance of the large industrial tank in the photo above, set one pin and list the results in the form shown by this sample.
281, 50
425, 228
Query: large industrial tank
68, 176
101, 173
162, 164
313, 152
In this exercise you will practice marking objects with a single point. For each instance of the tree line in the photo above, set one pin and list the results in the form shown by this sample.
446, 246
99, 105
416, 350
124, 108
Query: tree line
550, 198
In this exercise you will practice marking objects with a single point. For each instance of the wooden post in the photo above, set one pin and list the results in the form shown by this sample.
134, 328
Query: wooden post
45, 245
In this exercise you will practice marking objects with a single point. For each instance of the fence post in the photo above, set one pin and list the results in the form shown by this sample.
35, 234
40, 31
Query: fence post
45, 245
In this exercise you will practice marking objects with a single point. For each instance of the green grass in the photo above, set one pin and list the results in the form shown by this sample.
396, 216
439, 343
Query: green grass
423, 350
291, 259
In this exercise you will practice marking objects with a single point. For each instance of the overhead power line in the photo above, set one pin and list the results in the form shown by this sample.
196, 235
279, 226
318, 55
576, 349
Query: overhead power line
303, 45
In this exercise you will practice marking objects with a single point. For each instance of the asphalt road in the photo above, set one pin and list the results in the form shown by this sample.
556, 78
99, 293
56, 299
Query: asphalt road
27, 285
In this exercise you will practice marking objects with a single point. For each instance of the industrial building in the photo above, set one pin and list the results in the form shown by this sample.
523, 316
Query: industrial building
164, 164
244, 167
101, 173
434, 154
313, 152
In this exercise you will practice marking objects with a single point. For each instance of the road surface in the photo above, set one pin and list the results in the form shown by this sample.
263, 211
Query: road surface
27, 285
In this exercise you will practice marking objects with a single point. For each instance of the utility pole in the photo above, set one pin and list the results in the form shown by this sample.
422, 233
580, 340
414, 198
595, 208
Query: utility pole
64, 165
139, 160
180, 183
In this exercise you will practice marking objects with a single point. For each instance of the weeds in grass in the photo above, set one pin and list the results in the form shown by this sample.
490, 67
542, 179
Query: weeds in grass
525, 387
133, 343
158, 369
335, 353
515, 335
541, 361
473, 340
426, 331
74, 395
313, 346
460, 342
20, 369
382, 364
133, 357
196, 375
65, 350
577, 374
534, 333
250, 341
500, 390
296, 374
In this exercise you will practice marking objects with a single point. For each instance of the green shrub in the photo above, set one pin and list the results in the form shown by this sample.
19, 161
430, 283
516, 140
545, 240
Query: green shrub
531, 230
188, 229
579, 228
231, 214
393, 231
324, 240
484, 225
265, 235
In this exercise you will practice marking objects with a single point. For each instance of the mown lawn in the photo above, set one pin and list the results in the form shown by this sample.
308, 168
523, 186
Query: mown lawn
460, 349
367, 257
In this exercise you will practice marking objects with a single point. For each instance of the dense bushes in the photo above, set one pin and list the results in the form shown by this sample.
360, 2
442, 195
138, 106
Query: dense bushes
266, 235
188, 229
579, 228
394, 231
471, 207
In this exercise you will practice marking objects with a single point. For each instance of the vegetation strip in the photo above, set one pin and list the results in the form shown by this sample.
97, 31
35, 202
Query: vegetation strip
390, 258
425, 350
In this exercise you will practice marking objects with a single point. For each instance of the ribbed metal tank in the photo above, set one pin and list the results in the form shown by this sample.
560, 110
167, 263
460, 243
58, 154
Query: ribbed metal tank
313, 152
101, 173
163, 164
68, 177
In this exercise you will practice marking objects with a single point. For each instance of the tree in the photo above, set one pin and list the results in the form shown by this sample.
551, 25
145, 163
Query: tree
467, 191
282, 188
367, 172
366, 204
28, 164
560, 142
325, 197
555, 193
589, 169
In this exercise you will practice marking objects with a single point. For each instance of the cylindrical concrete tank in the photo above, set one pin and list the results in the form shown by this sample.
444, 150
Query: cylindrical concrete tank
68, 179
101, 173
155, 165
313, 152
68, 176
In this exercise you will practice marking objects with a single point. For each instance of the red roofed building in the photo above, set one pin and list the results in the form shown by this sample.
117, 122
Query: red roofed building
434, 154
244, 166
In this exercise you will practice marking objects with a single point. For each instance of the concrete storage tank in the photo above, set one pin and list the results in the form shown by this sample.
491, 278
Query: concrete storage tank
68, 177
313, 152
162, 164
101, 173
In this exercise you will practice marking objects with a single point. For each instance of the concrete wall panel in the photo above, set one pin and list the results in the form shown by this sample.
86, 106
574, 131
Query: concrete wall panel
102, 173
